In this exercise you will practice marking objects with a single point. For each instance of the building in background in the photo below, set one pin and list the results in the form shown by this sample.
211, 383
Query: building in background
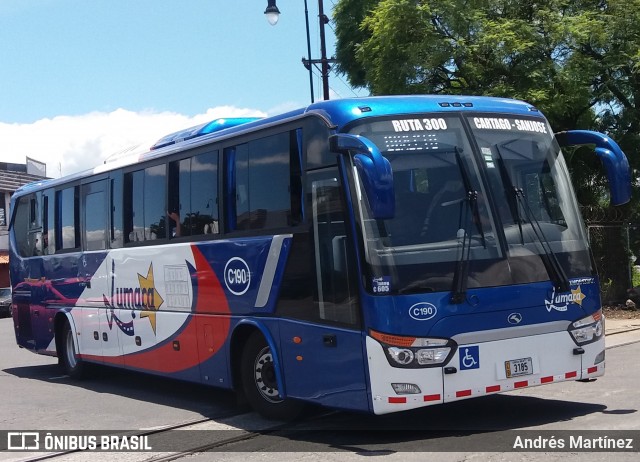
12, 176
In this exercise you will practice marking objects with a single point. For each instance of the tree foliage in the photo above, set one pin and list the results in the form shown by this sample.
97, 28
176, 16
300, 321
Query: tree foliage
578, 61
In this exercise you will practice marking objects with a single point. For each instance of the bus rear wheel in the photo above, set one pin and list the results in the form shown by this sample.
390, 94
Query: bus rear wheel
259, 382
72, 365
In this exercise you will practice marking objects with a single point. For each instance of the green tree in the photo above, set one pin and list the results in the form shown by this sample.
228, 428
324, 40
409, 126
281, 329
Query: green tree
576, 60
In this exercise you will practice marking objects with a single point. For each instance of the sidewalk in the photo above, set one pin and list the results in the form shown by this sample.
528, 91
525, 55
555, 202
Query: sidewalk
618, 326
619, 332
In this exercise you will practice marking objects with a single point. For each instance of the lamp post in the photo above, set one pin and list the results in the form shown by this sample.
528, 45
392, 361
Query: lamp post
273, 14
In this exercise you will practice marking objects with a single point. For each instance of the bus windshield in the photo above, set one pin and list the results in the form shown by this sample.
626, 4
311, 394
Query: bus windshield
501, 202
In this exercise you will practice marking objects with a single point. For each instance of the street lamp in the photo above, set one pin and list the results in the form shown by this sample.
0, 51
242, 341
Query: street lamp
273, 14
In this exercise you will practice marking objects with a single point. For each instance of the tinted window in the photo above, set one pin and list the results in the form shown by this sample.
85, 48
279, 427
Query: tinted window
116, 231
48, 231
155, 210
327, 290
133, 208
269, 181
193, 195
316, 136
67, 212
95, 218
95, 222
243, 209
263, 181
145, 210
20, 227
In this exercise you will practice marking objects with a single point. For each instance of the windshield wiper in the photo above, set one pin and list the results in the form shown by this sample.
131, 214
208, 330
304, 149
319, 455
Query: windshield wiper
551, 262
460, 276
510, 191
516, 200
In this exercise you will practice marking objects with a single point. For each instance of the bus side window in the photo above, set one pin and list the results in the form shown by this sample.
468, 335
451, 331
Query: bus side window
21, 225
116, 232
155, 209
145, 211
48, 221
35, 224
67, 219
94, 215
193, 195
262, 182
295, 181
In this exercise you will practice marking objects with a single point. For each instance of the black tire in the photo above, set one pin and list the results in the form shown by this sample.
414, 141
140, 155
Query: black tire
259, 382
72, 365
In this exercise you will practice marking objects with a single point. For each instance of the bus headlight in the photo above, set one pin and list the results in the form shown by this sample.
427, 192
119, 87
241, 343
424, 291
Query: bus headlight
588, 329
414, 352
432, 356
401, 355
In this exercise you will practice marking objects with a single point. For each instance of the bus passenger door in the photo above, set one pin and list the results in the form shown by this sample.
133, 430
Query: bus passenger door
323, 359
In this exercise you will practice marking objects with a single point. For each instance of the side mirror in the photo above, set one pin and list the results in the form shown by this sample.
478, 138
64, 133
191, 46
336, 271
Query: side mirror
374, 170
614, 160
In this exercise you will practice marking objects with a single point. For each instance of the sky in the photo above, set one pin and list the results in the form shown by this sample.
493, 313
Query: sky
84, 80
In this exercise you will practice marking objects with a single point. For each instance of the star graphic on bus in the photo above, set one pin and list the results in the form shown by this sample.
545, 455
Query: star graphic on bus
151, 298
577, 295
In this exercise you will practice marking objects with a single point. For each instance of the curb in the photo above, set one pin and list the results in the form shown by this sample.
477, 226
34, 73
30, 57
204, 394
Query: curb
622, 331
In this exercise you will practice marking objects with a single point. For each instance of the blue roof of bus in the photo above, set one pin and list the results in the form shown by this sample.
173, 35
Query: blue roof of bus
338, 112
343, 111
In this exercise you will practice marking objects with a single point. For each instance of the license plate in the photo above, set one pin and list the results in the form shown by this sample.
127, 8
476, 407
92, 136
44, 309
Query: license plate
517, 367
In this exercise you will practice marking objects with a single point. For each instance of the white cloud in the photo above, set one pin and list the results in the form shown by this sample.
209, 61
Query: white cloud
68, 144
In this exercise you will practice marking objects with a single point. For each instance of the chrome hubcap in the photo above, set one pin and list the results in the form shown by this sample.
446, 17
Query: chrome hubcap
264, 375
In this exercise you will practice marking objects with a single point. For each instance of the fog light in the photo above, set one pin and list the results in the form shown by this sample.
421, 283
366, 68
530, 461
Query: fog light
406, 388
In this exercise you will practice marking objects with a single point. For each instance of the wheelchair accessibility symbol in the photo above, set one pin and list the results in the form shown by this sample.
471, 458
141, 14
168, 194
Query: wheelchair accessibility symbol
469, 357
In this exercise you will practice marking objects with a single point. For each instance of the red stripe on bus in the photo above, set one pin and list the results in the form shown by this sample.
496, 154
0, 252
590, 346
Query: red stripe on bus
570, 375
493, 389
524, 383
593, 369
546, 379
394, 400
463, 393
432, 397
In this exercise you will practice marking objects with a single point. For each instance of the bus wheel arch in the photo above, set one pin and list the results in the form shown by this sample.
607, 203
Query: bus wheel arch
65, 347
257, 376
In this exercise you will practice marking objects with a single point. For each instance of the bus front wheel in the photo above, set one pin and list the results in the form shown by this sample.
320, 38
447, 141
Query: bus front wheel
70, 362
259, 383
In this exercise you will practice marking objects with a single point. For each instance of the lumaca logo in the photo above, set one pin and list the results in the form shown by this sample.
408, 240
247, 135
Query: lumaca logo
144, 298
560, 302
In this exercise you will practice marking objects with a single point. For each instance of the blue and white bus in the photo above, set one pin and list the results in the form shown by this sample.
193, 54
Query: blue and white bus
377, 254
